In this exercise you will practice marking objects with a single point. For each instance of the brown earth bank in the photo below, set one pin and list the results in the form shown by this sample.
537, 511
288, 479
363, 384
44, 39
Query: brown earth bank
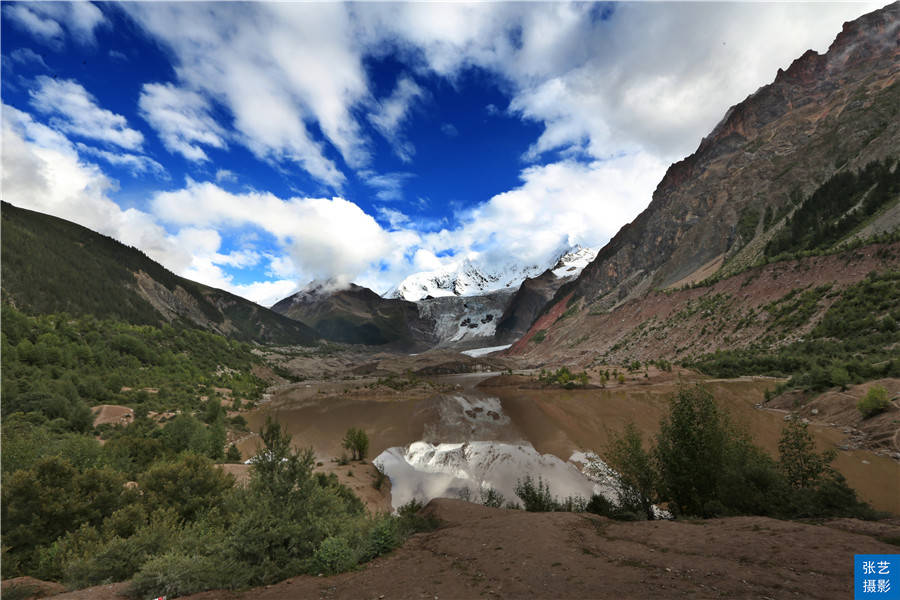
837, 408
677, 324
26, 588
112, 414
481, 552
345, 361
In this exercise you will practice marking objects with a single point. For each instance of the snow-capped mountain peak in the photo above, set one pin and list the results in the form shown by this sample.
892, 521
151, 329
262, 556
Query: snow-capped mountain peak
466, 278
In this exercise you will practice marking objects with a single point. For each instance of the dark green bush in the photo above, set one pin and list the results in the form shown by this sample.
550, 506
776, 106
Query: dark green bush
333, 556
535, 497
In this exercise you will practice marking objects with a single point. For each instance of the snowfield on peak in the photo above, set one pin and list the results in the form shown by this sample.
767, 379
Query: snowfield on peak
466, 278
572, 262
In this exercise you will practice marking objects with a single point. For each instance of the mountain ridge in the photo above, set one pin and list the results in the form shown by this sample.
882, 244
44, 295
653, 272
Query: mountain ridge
357, 315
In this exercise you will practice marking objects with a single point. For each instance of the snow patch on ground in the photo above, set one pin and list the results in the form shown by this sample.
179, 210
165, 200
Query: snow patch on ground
476, 352
423, 471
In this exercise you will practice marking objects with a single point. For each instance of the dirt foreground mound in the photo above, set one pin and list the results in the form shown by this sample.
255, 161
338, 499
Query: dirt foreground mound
495, 553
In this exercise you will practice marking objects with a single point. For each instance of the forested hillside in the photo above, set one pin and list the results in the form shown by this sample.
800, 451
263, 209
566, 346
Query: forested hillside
51, 265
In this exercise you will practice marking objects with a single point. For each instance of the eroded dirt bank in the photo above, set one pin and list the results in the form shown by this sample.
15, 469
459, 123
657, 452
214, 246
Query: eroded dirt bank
494, 553
482, 552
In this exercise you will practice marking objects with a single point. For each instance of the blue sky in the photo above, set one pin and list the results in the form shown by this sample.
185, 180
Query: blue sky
256, 146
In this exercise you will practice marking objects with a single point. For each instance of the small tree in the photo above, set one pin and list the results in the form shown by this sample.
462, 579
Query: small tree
636, 479
799, 461
691, 451
357, 442
874, 402
278, 469
233, 455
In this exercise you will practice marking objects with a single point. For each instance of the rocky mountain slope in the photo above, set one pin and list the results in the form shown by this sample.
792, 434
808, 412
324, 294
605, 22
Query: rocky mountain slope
808, 157
824, 114
357, 315
765, 308
465, 320
52, 265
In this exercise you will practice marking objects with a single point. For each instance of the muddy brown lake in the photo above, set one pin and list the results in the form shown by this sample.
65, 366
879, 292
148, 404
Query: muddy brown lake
554, 422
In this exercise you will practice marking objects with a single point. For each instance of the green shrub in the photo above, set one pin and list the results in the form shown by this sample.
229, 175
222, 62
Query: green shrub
189, 485
703, 466
539, 336
798, 460
233, 455
385, 536
176, 574
412, 518
874, 402
333, 556
564, 377
691, 450
380, 478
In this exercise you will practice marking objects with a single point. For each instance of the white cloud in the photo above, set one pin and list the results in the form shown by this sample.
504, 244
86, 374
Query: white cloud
182, 120
557, 205
325, 238
138, 164
226, 175
394, 217
42, 171
282, 267
449, 130
27, 55
45, 29
45, 20
660, 76
274, 67
653, 77
393, 112
265, 293
389, 186
75, 111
